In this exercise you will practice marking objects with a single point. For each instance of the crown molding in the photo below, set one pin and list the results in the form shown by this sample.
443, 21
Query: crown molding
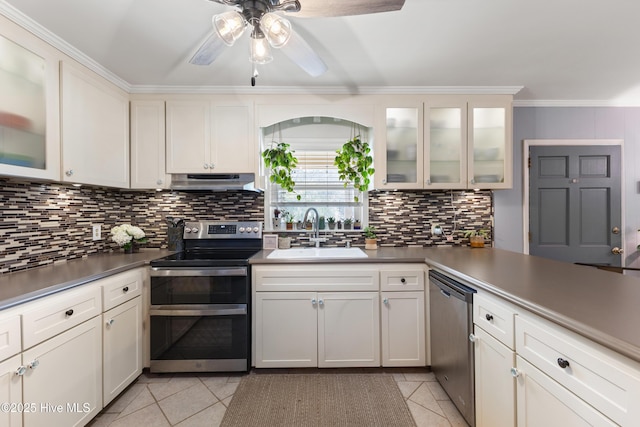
41, 32
575, 103
328, 90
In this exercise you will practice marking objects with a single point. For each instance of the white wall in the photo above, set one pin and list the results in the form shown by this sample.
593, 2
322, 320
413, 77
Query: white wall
573, 123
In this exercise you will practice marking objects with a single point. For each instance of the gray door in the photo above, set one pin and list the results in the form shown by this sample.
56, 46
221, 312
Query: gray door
574, 203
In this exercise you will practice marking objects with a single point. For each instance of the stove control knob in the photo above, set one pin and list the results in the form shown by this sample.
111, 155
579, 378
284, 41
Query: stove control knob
187, 230
256, 229
194, 230
241, 229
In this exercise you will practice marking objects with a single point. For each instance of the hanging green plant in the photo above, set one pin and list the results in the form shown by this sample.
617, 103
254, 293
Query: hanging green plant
354, 164
281, 161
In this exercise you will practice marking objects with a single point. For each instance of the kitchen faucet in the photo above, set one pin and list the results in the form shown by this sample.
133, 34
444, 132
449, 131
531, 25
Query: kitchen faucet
316, 221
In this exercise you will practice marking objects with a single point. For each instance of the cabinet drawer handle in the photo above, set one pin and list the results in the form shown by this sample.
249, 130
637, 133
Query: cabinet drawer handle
125, 289
69, 312
489, 317
563, 363
403, 280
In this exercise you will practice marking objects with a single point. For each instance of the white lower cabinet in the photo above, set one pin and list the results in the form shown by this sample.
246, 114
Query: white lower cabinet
348, 329
122, 347
11, 392
403, 328
286, 333
543, 402
309, 329
495, 385
64, 377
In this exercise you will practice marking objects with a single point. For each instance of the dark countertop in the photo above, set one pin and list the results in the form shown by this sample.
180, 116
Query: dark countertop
20, 287
598, 304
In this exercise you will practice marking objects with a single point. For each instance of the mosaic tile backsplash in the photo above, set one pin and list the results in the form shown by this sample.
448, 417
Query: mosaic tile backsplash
42, 223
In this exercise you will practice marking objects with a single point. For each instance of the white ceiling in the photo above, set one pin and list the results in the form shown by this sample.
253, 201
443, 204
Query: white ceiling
586, 51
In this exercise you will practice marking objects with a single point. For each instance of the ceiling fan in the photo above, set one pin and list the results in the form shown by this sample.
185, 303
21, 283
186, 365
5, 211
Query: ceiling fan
269, 29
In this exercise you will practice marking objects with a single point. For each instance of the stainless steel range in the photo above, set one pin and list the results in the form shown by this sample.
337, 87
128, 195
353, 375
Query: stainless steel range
200, 300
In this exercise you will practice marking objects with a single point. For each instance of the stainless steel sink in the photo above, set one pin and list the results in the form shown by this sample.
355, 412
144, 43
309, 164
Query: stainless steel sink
315, 253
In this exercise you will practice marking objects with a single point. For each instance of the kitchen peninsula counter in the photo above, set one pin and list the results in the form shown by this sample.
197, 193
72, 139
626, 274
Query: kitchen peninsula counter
24, 286
600, 305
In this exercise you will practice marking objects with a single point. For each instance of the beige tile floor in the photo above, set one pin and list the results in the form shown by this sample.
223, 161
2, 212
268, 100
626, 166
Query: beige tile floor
191, 400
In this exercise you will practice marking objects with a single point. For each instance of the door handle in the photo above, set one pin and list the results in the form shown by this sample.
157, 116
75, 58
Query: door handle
617, 251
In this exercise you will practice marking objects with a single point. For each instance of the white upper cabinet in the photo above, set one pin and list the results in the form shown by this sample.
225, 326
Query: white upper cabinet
206, 136
489, 143
147, 145
95, 129
29, 105
445, 142
399, 146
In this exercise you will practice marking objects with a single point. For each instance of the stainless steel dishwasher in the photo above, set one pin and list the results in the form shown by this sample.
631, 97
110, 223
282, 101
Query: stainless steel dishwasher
451, 313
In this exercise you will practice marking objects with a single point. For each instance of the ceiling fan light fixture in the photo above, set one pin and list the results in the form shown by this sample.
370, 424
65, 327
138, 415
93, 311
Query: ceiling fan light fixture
276, 29
229, 26
259, 50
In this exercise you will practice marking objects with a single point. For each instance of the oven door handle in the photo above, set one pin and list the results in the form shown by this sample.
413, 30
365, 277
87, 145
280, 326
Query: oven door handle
206, 271
198, 310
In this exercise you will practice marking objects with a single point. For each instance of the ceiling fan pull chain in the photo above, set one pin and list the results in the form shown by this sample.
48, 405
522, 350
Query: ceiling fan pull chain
255, 75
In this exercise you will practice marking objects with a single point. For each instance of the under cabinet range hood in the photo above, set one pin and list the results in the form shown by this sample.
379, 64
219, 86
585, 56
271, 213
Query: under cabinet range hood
213, 182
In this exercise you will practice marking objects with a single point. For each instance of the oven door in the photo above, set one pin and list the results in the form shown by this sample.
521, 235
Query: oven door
213, 285
199, 338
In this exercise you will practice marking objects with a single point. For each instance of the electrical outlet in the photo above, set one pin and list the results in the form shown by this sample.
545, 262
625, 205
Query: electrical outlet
96, 230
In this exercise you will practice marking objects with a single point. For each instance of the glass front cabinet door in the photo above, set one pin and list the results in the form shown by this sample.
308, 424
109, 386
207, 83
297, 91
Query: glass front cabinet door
399, 156
445, 152
489, 148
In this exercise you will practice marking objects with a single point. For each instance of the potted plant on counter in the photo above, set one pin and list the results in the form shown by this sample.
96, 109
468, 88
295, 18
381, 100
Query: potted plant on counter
370, 238
288, 217
346, 224
476, 237
331, 221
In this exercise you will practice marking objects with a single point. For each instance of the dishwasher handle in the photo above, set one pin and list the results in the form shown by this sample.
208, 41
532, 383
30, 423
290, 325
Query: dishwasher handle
450, 287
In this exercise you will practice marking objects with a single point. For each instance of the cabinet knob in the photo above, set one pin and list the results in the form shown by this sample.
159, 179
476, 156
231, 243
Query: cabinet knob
386, 301
473, 181
34, 364
159, 182
403, 280
563, 363
428, 182
617, 251
384, 181
21, 370
320, 302
110, 322
473, 338
515, 373
212, 166
489, 317
125, 289
206, 166
69, 172
313, 301
69, 312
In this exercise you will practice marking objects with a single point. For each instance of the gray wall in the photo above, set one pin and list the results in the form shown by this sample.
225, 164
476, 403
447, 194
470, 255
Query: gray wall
573, 123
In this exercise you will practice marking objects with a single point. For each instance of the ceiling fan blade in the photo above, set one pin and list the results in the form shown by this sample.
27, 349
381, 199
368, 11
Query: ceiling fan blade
299, 51
209, 50
319, 8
